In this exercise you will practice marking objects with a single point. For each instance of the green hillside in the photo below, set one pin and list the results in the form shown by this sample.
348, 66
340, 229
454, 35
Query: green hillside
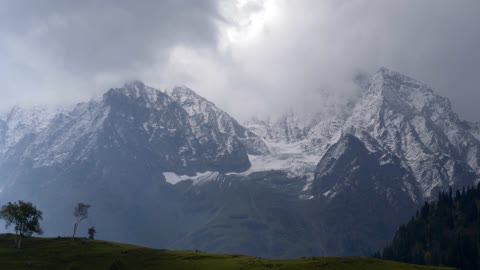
63, 253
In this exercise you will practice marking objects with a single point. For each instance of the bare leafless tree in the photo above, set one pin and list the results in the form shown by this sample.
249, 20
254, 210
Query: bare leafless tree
80, 212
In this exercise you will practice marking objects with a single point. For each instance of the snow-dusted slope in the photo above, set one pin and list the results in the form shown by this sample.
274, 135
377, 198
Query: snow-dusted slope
401, 145
210, 123
396, 116
296, 141
70, 137
474, 128
402, 117
349, 167
288, 128
184, 133
20, 122
135, 128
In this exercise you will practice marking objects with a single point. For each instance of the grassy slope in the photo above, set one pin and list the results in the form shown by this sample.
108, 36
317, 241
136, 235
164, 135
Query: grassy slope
52, 254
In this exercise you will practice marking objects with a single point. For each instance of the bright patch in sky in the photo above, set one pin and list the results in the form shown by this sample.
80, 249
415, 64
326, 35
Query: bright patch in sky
251, 19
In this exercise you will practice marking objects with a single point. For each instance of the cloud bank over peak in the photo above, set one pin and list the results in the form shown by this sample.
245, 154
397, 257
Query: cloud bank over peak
248, 56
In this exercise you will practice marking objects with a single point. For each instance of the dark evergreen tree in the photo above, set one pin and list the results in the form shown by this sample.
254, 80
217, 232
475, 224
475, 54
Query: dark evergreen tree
442, 233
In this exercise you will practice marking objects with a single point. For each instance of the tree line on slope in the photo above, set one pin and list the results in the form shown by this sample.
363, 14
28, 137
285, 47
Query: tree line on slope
442, 233
25, 218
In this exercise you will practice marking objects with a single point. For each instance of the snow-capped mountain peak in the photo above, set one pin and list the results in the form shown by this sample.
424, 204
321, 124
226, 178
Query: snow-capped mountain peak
183, 94
401, 116
194, 104
141, 93
397, 117
205, 114
136, 122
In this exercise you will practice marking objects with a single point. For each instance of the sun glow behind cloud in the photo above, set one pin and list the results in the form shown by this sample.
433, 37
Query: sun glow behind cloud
250, 20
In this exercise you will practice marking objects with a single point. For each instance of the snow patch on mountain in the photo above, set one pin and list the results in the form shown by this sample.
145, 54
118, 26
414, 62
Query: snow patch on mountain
200, 177
287, 157
297, 142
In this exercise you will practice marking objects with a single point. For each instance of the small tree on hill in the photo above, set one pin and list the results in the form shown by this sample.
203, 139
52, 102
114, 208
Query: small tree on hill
80, 212
91, 232
24, 216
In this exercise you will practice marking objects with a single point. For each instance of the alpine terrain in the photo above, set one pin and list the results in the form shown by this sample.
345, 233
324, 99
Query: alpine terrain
169, 169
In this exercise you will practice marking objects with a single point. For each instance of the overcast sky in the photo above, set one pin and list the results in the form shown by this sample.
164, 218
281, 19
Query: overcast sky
248, 56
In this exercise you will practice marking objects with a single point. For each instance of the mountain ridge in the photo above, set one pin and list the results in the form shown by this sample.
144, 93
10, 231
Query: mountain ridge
322, 179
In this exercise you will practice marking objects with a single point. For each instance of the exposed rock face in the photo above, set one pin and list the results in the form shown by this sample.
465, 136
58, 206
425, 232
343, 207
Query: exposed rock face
401, 117
212, 124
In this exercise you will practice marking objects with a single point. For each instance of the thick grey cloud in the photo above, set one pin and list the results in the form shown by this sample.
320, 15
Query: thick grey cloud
55, 48
248, 56
99, 36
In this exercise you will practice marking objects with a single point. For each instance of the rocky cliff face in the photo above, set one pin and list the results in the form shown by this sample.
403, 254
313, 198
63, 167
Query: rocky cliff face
209, 123
401, 117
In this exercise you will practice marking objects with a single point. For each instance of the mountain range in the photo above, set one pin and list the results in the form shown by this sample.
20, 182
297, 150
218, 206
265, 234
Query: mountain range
170, 169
